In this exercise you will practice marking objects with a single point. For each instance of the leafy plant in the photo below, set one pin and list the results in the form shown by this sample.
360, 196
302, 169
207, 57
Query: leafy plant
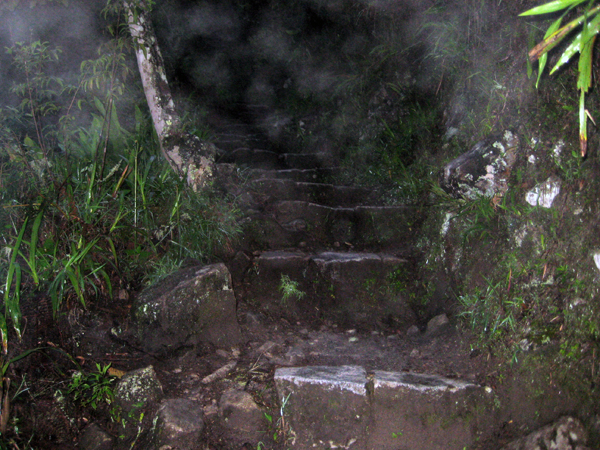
289, 289
93, 388
582, 42
490, 312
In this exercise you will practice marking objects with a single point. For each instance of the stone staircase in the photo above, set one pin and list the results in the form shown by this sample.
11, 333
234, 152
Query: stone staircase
346, 257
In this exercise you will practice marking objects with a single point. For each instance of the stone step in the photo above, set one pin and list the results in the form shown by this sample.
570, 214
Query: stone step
229, 133
320, 193
320, 175
307, 160
292, 223
347, 407
267, 159
252, 157
350, 288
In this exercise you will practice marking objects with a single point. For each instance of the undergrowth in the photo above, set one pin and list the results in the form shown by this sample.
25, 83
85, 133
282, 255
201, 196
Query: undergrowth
88, 206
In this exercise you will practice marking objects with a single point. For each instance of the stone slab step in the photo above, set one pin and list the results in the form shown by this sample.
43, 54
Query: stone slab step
267, 159
307, 160
350, 288
292, 223
346, 407
320, 193
319, 175
253, 157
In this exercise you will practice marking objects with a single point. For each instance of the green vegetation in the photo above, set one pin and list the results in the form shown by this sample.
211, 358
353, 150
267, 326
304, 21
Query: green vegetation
519, 286
92, 209
581, 42
88, 207
94, 388
289, 289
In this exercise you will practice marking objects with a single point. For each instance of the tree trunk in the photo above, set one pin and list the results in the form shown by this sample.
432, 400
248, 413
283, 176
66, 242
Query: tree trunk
186, 153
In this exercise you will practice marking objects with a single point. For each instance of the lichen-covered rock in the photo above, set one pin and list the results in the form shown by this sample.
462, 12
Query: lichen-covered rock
567, 433
179, 424
138, 388
483, 170
192, 305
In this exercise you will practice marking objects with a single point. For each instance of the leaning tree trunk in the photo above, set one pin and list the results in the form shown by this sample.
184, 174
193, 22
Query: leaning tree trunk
186, 153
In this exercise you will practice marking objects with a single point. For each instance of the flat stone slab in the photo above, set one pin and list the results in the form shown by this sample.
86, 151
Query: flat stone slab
351, 288
325, 407
306, 160
346, 407
263, 159
321, 193
318, 175
361, 226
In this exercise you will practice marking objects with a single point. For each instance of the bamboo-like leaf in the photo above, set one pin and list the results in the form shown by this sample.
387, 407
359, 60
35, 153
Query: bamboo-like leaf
76, 285
584, 81
13, 305
113, 250
582, 125
55, 290
555, 38
578, 42
544, 58
106, 280
3, 333
551, 7
33, 254
12, 264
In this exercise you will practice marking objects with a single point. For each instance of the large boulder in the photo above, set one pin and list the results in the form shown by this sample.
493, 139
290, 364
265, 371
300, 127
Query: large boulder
190, 306
483, 170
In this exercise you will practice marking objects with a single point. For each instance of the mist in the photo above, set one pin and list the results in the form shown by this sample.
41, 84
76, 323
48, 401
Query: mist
273, 65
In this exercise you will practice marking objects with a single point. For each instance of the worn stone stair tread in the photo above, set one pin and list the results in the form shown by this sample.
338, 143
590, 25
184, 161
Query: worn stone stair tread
330, 257
351, 288
320, 193
301, 224
231, 133
317, 175
336, 348
346, 406
375, 227
268, 159
257, 158
306, 160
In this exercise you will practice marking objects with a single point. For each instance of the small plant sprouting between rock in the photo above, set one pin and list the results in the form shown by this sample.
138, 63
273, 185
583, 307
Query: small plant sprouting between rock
94, 388
289, 289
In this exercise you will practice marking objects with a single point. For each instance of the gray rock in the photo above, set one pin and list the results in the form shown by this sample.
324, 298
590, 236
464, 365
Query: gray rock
95, 438
138, 388
567, 433
242, 416
413, 331
483, 170
437, 324
179, 424
192, 305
